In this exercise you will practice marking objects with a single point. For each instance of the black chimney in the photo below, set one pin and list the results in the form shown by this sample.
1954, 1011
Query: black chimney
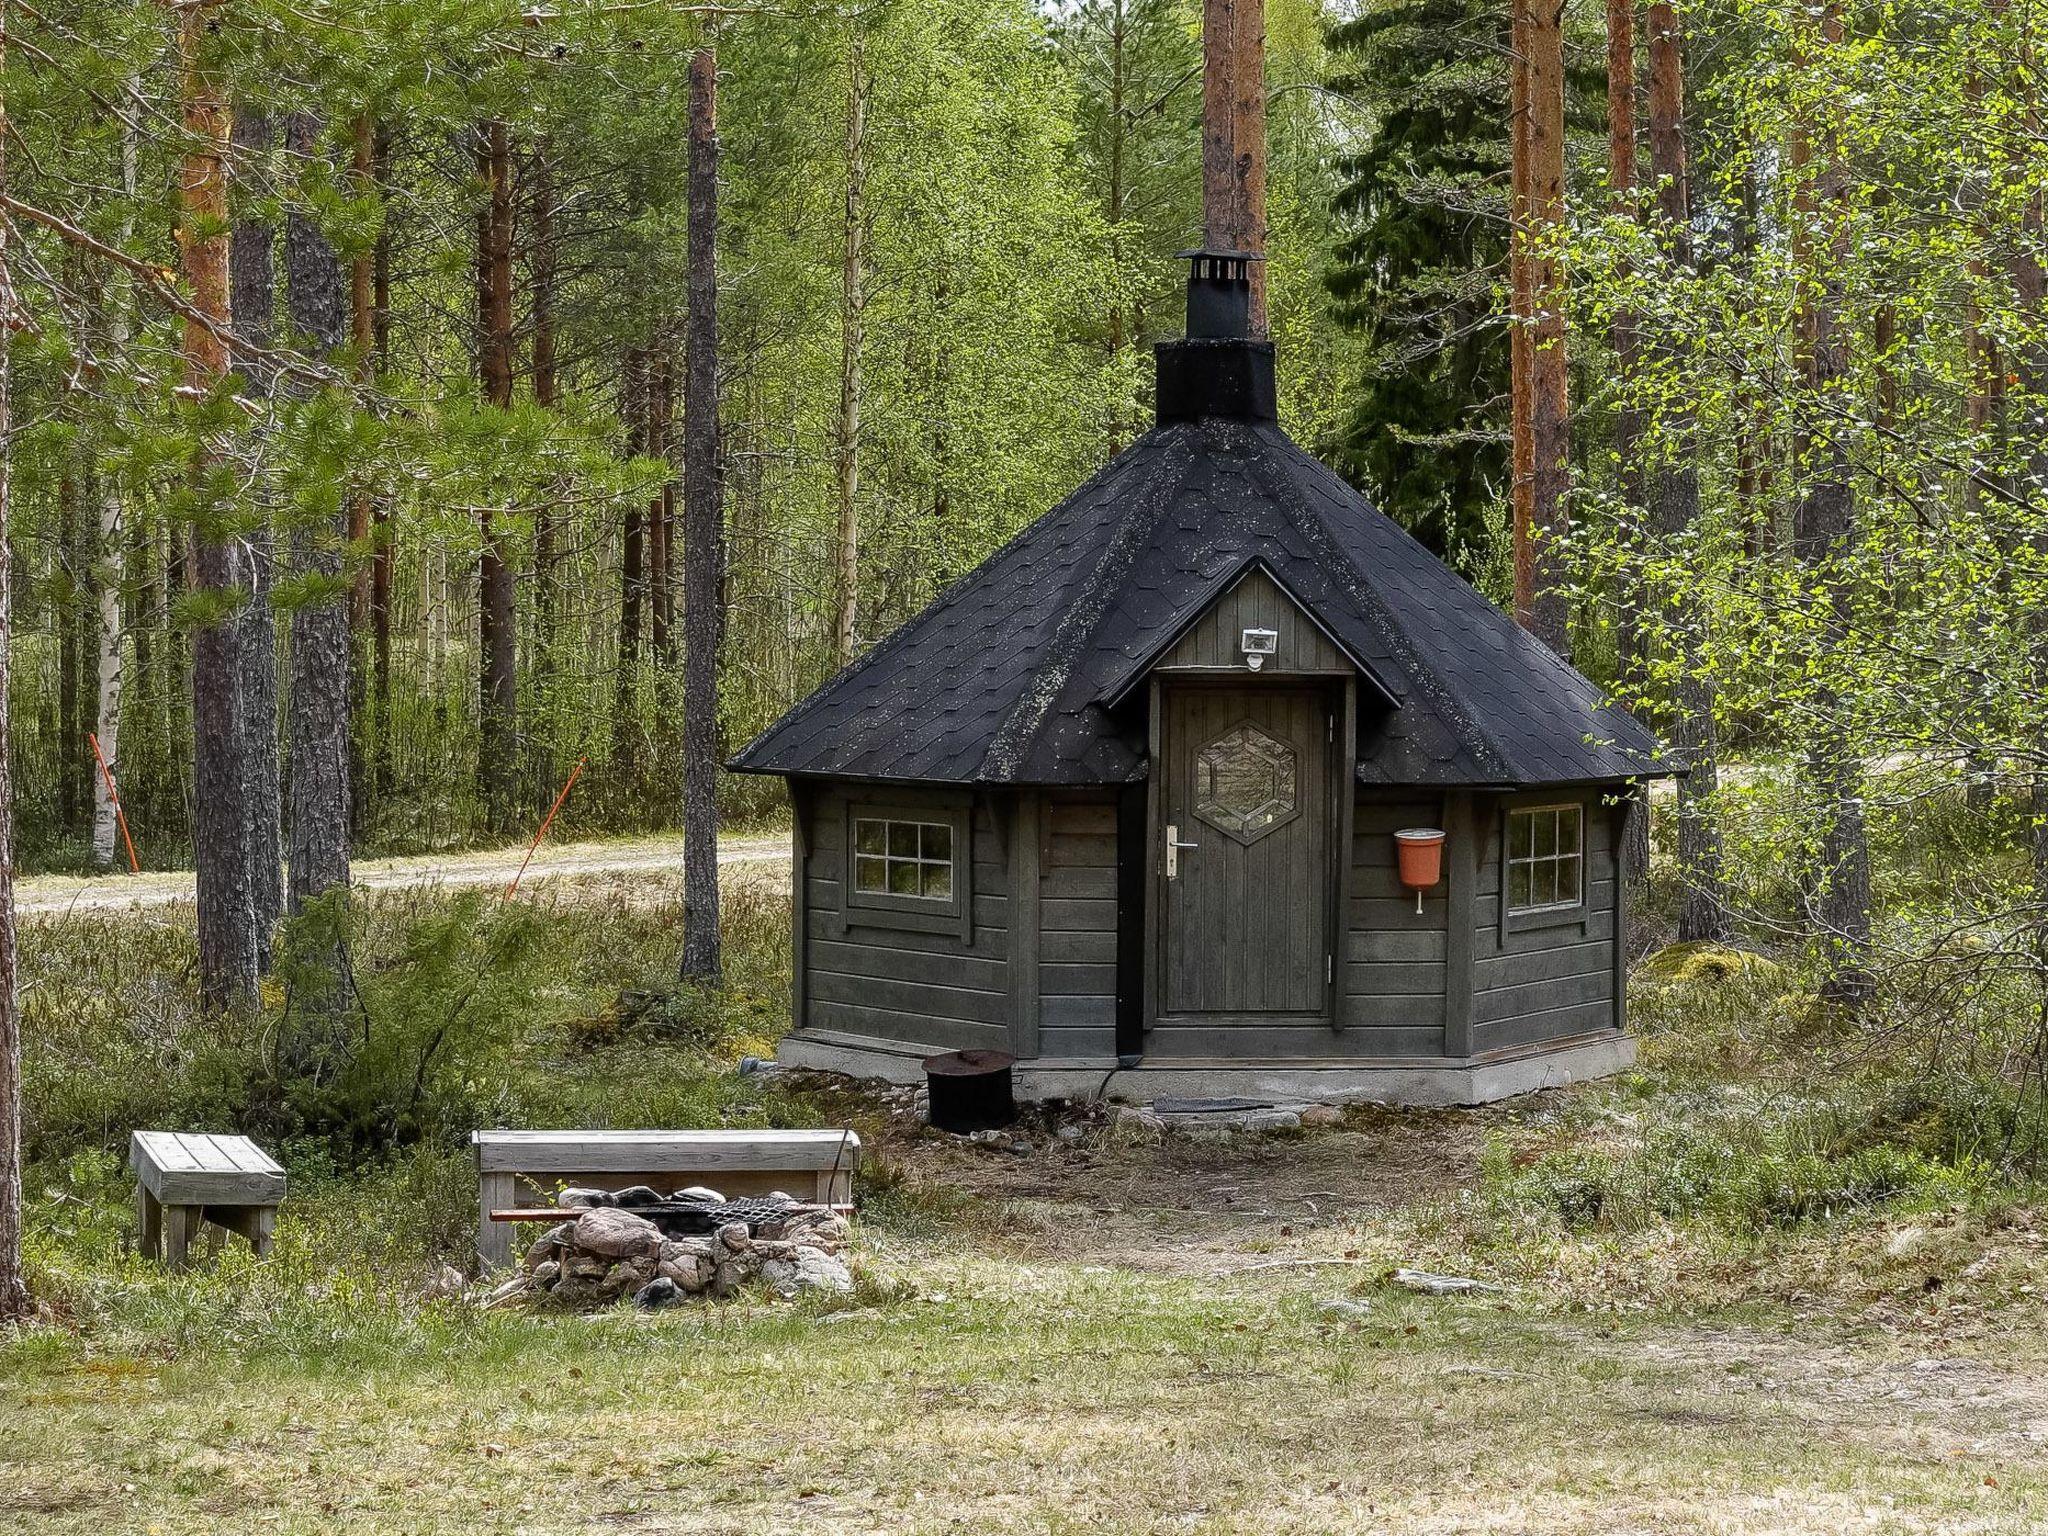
1219, 370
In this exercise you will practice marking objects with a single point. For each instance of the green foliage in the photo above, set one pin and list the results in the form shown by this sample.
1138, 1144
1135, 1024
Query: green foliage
1415, 270
454, 1012
1742, 1164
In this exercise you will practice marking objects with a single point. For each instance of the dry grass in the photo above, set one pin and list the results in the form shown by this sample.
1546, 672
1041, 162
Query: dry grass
1028, 1398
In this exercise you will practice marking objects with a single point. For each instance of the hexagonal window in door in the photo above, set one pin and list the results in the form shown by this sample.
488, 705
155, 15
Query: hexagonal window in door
1245, 783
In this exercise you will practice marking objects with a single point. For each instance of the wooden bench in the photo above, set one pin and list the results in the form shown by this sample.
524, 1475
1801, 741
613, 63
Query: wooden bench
511, 1165
185, 1178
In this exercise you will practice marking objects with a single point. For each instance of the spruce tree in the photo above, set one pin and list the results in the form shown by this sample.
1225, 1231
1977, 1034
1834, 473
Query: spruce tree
1417, 271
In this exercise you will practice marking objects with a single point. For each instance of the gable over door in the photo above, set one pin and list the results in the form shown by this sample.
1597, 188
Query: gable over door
1245, 928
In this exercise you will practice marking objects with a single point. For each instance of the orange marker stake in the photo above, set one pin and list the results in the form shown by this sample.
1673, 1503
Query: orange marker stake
114, 796
546, 822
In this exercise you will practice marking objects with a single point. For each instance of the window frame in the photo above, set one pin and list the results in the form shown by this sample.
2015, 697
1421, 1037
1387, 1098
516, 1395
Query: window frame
921, 914
1557, 914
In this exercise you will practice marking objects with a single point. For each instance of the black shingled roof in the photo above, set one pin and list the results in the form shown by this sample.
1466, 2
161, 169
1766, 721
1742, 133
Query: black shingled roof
1005, 678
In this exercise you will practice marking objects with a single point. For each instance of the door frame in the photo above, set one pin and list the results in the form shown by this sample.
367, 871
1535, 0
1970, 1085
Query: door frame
1341, 697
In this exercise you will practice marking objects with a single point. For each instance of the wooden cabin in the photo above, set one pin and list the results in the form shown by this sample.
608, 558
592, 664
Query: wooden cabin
1123, 801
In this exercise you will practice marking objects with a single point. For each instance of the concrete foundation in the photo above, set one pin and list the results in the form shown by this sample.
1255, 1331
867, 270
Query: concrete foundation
1437, 1081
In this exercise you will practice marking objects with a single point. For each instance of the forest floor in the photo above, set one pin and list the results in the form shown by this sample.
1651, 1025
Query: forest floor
1069, 1335
600, 857
1074, 1327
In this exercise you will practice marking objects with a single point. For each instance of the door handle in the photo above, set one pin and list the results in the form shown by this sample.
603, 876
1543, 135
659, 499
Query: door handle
1173, 848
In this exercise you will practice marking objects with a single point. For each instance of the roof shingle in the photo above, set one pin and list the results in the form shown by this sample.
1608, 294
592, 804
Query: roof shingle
1002, 679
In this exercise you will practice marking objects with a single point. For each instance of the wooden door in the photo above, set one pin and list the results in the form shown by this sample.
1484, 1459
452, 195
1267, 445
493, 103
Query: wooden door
1245, 926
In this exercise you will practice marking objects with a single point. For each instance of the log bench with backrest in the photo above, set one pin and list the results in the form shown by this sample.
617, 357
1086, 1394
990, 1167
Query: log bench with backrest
185, 1178
528, 1166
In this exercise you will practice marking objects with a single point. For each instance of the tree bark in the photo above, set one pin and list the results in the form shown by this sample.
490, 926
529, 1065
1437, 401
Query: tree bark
318, 297
632, 572
1538, 46
13, 1288
1234, 136
111, 554
546, 384
362, 327
1824, 533
660, 508
703, 538
220, 728
253, 303
1675, 512
498, 682
852, 302
1622, 152
380, 515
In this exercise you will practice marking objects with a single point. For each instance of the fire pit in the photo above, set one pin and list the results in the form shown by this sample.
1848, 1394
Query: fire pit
665, 1250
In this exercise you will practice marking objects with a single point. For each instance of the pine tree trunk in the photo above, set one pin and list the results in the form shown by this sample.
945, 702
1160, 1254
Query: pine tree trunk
632, 576
498, 682
541, 244
852, 302
1539, 577
252, 301
111, 553
362, 328
71, 726
542, 266
660, 507
220, 729
13, 1290
1824, 532
1234, 136
1521, 307
317, 293
703, 538
380, 514
1675, 512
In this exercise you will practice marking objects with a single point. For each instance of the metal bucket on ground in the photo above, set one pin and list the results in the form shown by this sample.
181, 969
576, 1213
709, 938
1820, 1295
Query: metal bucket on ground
970, 1090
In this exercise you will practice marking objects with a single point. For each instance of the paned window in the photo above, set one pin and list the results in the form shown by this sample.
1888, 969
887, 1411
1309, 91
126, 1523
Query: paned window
893, 857
1546, 858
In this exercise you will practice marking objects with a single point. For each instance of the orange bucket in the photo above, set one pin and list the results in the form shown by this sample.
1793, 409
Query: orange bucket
1419, 852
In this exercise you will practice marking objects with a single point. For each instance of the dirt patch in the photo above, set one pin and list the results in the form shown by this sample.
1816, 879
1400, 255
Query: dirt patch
1171, 1204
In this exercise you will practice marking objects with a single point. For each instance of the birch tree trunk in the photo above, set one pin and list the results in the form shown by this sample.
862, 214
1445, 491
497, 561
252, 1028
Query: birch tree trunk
852, 301
318, 298
220, 729
703, 538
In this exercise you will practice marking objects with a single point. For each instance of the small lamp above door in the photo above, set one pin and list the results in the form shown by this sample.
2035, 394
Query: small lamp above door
1419, 857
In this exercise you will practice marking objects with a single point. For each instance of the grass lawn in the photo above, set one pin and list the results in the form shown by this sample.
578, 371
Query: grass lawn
1023, 1398
1096, 1337
1725, 1305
